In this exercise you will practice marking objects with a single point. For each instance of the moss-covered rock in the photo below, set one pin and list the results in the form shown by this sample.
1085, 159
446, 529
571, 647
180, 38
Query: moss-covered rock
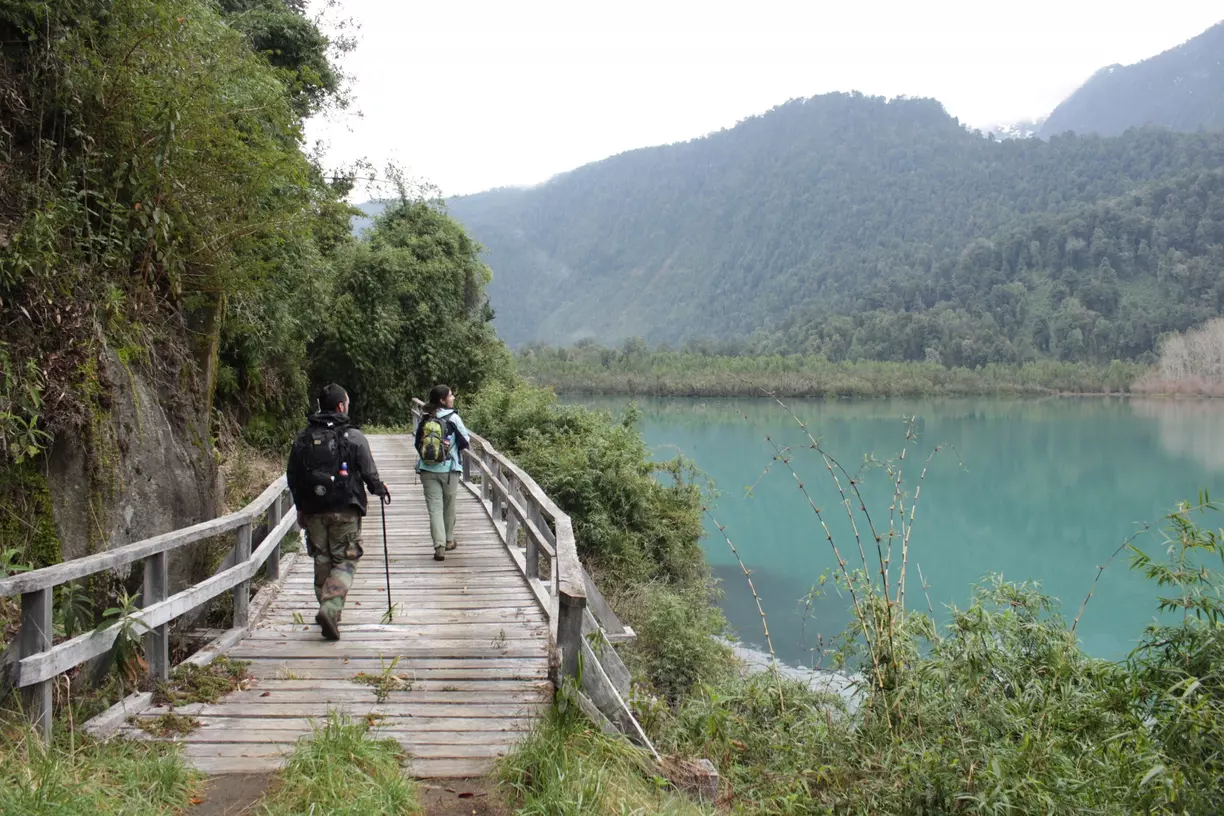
27, 523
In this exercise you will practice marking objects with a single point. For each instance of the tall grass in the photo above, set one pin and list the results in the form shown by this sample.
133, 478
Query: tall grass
86, 777
567, 767
341, 770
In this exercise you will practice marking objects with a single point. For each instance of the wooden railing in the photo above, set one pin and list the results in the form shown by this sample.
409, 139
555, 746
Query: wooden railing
38, 662
533, 528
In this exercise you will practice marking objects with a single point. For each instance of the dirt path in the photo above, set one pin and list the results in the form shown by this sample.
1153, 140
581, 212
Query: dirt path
241, 795
462, 797
231, 795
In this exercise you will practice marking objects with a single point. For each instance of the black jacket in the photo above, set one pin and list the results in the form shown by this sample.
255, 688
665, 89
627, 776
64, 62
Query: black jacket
361, 463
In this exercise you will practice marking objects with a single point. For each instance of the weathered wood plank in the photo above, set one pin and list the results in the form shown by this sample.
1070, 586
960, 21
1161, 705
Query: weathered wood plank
477, 684
508, 630
360, 709
367, 649
357, 693
421, 743
463, 730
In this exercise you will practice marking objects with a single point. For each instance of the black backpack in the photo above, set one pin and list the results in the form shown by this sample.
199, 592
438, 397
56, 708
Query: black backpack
319, 451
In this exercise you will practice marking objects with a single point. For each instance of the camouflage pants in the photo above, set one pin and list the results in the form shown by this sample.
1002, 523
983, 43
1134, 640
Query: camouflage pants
334, 540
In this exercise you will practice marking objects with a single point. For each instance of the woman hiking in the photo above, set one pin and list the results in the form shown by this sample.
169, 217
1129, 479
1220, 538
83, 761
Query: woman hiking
440, 439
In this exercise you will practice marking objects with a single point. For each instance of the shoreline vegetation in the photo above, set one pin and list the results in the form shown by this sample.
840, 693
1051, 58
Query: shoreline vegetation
1189, 364
595, 370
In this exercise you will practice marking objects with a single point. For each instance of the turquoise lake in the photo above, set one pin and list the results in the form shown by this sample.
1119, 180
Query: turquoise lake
1040, 489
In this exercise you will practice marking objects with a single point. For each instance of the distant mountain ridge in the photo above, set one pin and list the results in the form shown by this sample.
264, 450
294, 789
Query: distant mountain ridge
865, 228
1181, 89
796, 228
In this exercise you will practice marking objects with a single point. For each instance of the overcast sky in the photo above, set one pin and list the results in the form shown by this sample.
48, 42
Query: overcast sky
471, 95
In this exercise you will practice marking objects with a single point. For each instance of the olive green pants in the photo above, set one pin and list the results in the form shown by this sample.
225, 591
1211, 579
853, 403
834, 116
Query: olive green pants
334, 541
440, 501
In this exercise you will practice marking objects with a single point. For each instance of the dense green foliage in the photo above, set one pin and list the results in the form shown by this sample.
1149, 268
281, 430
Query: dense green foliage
697, 371
407, 311
863, 229
153, 169
160, 210
1181, 89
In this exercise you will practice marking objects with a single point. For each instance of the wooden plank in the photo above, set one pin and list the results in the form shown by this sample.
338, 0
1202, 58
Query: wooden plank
453, 670
405, 614
426, 729
360, 709
352, 649
194, 748
421, 743
440, 581
357, 693
419, 684
509, 630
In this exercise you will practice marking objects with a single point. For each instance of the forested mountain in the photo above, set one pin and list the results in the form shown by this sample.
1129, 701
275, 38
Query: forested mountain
1181, 89
844, 223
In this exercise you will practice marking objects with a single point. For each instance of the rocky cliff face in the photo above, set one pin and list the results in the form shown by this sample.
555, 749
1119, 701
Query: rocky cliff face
139, 471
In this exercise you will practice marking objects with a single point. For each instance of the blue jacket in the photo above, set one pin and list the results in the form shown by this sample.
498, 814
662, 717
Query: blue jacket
450, 415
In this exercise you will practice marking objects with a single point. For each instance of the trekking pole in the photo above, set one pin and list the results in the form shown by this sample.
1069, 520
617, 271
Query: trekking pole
386, 559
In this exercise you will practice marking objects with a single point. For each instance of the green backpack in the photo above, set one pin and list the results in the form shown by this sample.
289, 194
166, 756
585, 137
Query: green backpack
433, 443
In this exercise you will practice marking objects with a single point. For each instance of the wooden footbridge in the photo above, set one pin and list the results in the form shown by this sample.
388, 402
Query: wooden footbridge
473, 650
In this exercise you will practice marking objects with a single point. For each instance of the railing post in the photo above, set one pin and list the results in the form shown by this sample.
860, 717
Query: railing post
275, 513
495, 493
486, 486
467, 465
533, 546
35, 637
157, 639
512, 521
242, 592
569, 631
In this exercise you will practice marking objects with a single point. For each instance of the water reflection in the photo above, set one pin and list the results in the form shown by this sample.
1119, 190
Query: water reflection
1189, 428
1038, 490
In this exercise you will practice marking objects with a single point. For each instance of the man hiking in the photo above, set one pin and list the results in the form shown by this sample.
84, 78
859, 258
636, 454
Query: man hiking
329, 470
440, 439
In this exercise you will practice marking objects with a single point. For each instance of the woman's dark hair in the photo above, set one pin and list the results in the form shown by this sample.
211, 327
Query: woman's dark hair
436, 396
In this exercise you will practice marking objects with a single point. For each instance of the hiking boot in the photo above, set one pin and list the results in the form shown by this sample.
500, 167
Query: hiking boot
450, 545
439, 554
330, 630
